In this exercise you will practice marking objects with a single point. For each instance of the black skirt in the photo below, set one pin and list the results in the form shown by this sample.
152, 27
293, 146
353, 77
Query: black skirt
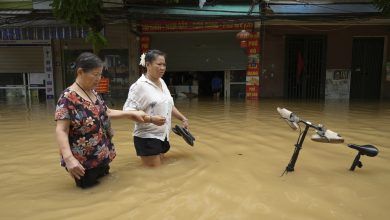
150, 146
92, 175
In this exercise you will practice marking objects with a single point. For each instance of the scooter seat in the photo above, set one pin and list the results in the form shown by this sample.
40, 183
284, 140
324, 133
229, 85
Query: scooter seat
368, 150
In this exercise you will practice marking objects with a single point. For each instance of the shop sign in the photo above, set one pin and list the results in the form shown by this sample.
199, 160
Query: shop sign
252, 80
252, 71
252, 92
253, 68
48, 65
168, 26
337, 84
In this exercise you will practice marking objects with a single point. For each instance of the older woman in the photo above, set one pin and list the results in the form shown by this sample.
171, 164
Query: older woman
151, 95
83, 128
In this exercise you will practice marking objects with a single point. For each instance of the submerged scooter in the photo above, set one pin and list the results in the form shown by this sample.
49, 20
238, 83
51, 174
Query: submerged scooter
323, 135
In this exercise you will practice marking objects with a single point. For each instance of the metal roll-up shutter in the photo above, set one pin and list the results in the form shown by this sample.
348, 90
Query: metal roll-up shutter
21, 59
200, 51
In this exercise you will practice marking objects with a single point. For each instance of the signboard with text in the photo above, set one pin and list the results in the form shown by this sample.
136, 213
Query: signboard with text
337, 84
168, 26
48, 65
253, 68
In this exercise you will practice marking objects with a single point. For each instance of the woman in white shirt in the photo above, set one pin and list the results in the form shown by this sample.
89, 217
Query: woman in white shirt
151, 94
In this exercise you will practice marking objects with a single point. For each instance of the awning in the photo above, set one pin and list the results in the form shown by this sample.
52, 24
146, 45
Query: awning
249, 12
194, 12
322, 9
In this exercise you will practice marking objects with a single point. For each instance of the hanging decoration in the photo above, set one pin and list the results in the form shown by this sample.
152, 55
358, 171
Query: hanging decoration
243, 37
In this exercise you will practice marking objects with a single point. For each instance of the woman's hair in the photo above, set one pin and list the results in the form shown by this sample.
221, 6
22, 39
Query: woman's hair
88, 61
152, 55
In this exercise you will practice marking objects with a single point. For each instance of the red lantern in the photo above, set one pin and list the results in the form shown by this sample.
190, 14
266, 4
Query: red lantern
243, 36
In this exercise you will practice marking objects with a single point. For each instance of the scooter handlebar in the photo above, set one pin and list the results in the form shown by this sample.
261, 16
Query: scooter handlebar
327, 136
291, 119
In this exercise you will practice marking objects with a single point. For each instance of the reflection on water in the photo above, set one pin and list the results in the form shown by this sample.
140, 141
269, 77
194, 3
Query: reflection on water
232, 172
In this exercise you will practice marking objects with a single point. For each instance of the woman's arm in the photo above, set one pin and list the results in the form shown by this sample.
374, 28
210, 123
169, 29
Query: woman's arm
177, 114
138, 116
75, 169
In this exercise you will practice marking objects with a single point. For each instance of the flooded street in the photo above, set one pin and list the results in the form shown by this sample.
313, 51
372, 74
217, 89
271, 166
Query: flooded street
233, 171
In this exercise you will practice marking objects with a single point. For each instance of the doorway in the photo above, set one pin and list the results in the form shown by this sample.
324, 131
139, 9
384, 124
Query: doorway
205, 83
367, 60
235, 84
194, 83
305, 67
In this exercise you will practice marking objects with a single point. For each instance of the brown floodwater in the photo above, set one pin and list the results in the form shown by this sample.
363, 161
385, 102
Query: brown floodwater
233, 171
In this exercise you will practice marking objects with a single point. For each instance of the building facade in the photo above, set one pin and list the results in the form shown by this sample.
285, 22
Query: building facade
311, 50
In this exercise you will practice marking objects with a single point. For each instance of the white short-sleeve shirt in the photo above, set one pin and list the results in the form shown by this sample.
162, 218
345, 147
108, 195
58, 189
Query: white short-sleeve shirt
146, 96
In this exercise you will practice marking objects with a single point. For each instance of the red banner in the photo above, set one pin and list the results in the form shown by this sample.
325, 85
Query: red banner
253, 43
253, 68
252, 91
252, 72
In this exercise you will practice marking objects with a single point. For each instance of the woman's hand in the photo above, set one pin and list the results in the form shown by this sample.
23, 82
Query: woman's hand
138, 116
180, 116
157, 120
185, 123
75, 169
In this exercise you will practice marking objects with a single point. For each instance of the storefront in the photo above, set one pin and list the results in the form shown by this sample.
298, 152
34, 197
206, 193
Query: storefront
326, 62
31, 60
117, 55
117, 69
26, 69
199, 51
325, 51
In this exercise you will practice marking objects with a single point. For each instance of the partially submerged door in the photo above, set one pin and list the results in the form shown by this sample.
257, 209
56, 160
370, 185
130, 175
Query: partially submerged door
367, 60
305, 67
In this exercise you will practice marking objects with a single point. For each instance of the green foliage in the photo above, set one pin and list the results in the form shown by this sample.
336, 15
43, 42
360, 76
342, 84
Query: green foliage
384, 5
97, 40
85, 13
7, 5
77, 12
